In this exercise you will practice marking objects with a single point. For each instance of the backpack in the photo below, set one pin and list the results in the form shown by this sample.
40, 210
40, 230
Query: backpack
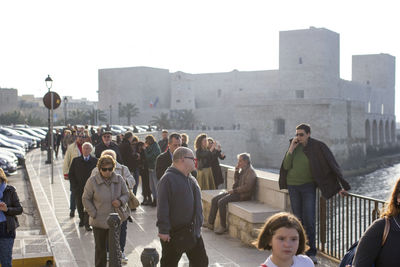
349, 256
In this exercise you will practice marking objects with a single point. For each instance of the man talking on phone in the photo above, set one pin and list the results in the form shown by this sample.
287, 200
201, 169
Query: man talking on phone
309, 164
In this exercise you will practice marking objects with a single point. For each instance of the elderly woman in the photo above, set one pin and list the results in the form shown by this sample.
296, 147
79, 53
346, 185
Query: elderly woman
130, 182
104, 193
9, 208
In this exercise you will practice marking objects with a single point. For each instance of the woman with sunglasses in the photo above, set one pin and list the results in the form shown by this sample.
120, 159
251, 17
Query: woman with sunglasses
105, 193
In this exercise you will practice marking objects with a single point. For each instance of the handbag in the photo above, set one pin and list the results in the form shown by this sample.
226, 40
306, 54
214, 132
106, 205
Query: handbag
133, 202
184, 238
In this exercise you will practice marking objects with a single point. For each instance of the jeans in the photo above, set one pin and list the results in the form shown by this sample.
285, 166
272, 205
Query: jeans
135, 175
302, 199
122, 235
220, 203
153, 183
197, 256
72, 205
6, 247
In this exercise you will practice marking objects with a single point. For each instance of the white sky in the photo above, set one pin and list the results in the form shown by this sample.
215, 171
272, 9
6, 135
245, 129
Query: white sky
71, 40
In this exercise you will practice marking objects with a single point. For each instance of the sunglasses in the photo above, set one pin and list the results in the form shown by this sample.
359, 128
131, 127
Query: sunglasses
299, 134
190, 158
107, 169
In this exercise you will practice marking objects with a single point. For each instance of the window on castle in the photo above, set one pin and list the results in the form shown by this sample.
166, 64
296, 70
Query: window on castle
368, 82
300, 60
369, 107
382, 109
279, 126
178, 101
299, 93
219, 92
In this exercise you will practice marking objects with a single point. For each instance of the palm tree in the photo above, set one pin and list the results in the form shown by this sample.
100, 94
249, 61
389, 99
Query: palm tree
186, 119
129, 111
162, 121
79, 117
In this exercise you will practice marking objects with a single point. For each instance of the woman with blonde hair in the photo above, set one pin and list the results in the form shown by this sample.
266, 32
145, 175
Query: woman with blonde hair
9, 208
105, 193
370, 250
204, 156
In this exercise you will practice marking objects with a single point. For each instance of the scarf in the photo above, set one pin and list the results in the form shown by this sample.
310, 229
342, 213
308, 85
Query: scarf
3, 186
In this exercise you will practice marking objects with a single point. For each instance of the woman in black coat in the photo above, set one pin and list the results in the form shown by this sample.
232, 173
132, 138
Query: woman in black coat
9, 208
216, 169
144, 173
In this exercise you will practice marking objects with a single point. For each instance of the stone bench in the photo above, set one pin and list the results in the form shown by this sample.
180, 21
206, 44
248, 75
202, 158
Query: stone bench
245, 218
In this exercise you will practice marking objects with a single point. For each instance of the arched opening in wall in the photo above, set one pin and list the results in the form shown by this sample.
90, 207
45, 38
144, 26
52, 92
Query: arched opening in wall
368, 133
374, 133
387, 133
381, 134
393, 132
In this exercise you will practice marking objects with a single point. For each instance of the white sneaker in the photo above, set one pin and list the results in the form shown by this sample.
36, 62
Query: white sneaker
124, 258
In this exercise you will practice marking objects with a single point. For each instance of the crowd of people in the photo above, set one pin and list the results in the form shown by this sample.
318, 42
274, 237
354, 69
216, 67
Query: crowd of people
103, 173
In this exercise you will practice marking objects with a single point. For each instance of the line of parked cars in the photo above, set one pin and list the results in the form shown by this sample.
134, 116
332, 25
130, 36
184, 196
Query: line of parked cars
15, 141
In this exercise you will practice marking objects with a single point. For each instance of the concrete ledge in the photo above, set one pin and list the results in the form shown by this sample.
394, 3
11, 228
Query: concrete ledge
252, 211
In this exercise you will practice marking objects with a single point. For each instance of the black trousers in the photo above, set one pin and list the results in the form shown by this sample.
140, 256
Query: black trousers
83, 215
220, 203
197, 256
144, 173
100, 240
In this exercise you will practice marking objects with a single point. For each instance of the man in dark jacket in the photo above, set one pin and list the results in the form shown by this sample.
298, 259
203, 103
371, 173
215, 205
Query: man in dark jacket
309, 164
107, 143
79, 172
242, 189
164, 160
179, 204
130, 157
163, 143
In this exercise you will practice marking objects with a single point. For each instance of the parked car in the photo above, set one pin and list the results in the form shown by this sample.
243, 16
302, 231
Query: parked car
31, 132
15, 135
9, 145
24, 145
40, 131
7, 164
8, 154
19, 154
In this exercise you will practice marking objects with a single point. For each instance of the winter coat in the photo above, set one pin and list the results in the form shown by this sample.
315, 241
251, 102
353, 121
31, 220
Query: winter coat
10, 197
72, 152
216, 168
245, 183
98, 196
113, 146
325, 170
129, 157
79, 173
163, 161
152, 152
124, 172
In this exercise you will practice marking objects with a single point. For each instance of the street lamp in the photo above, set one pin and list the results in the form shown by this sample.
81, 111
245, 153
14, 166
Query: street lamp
49, 84
65, 110
110, 115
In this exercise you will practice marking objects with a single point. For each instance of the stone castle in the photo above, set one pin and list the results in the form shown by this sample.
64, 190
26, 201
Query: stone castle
352, 117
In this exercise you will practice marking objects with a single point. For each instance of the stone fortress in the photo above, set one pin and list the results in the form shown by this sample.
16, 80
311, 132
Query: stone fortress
352, 117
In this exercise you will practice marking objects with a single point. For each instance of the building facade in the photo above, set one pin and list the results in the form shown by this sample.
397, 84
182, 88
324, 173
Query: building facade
8, 100
352, 117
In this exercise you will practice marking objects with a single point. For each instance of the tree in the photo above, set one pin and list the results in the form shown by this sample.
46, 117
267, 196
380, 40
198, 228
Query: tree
186, 120
129, 111
79, 117
162, 121
17, 117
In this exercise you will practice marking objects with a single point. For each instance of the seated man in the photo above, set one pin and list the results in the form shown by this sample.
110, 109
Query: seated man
242, 189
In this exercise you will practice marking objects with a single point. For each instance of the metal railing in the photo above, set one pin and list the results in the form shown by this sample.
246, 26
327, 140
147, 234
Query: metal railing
342, 220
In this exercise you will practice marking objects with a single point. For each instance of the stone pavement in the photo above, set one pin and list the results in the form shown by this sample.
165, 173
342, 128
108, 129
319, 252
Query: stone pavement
73, 246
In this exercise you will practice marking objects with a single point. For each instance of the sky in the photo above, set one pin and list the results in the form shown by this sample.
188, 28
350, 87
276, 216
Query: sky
71, 40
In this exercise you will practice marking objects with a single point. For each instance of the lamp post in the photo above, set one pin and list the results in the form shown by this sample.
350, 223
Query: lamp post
49, 84
110, 115
65, 110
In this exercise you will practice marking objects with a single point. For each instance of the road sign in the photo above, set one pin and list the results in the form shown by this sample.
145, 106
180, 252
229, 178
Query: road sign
47, 100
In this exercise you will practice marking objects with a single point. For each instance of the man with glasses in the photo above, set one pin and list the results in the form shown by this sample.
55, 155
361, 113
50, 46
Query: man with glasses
179, 205
73, 150
309, 164
107, 143
242, 189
